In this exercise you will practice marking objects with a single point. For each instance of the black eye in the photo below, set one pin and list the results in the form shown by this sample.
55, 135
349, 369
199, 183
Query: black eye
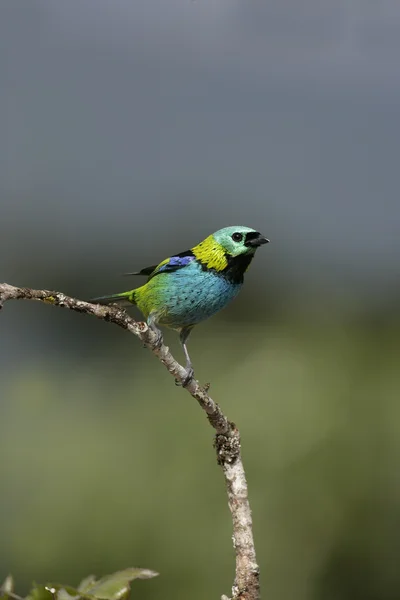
237, 237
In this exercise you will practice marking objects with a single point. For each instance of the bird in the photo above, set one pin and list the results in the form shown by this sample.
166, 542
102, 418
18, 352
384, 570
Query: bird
189, 287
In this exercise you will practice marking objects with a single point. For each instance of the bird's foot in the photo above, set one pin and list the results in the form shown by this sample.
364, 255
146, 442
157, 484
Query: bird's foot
159, 338
188, 377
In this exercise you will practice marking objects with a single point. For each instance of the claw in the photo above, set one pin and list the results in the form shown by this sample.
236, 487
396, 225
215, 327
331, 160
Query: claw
187, 379
159, 339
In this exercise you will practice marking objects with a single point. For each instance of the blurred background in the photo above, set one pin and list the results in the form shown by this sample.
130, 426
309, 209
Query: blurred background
130, 131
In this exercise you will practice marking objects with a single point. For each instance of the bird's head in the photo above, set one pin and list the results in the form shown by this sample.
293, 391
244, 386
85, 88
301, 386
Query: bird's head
238, 240
229, 250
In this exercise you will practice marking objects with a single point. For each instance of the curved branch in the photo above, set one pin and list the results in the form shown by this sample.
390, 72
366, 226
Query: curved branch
227, 439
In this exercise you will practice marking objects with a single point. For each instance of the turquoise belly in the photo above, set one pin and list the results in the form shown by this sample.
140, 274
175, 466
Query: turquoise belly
188, 296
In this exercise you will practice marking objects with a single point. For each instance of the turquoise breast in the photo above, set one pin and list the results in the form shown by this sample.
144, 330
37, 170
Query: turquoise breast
191, 295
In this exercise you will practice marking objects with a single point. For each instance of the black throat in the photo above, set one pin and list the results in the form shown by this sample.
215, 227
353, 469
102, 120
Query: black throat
237, 265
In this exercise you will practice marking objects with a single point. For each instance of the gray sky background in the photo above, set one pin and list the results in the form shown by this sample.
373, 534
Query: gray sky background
148, 124
129, 130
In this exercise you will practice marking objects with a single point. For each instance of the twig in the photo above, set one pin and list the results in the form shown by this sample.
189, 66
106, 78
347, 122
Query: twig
227, 439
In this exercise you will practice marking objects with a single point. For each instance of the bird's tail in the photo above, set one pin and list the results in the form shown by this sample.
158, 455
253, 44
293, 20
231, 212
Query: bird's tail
125, 298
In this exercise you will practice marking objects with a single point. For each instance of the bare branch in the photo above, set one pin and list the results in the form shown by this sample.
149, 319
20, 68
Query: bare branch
227, 439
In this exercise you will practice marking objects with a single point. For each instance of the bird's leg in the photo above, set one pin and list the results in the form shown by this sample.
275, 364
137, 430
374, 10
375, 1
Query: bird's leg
183, 336
151, 323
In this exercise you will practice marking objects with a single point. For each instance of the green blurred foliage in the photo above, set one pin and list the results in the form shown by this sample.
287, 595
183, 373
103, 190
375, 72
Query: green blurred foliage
116, 586
106, 463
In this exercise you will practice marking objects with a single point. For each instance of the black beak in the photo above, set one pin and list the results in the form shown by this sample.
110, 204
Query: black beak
255, 239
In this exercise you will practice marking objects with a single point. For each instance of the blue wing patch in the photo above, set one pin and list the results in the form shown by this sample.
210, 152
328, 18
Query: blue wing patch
172, 264
169, 264
175, 262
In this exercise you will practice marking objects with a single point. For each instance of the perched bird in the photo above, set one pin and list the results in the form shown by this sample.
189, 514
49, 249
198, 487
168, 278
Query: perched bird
191, 286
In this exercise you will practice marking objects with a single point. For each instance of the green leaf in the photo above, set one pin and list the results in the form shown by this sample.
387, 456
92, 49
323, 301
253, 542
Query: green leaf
7, 587
111, 587
60, 591
62, 594
117, 585
39, 592
86, 583
55, 591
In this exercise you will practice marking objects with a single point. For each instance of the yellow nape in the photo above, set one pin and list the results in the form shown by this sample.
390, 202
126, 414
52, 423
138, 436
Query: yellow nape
211, 254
